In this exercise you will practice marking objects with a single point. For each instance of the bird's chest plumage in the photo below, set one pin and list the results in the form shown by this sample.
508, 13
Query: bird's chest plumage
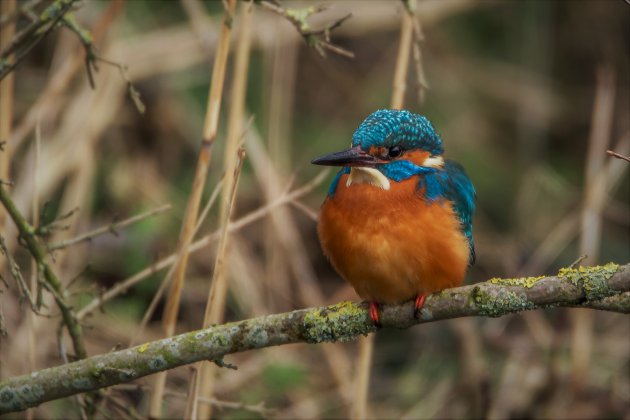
392, 245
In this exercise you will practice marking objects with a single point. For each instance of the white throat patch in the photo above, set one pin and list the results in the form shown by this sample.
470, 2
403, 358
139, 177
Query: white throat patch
434, 162
371, 176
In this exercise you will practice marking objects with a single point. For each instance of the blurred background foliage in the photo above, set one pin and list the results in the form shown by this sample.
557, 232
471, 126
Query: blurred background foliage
512, 91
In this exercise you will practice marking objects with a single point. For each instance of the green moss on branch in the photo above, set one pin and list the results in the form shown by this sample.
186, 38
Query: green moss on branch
604, 287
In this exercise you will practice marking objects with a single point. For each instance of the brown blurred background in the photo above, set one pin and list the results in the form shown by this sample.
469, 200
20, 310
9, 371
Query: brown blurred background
527, 95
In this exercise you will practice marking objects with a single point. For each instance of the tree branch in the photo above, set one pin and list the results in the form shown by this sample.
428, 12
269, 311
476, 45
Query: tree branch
601, 287
111, 228
53, 283
28, 37
618, 155
318, 39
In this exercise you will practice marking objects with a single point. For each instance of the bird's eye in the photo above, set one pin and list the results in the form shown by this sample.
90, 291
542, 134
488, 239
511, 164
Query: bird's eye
394, 152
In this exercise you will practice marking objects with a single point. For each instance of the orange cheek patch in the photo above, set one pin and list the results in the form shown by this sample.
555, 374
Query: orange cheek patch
378, 151
417, 156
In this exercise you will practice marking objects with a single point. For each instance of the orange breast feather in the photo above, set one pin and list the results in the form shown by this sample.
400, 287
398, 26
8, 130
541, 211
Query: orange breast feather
391, 245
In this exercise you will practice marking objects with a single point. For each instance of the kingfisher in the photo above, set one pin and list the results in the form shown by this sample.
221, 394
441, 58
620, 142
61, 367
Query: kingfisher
397, 220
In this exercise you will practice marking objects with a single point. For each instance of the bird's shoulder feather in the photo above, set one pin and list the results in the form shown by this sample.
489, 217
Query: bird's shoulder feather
452, 183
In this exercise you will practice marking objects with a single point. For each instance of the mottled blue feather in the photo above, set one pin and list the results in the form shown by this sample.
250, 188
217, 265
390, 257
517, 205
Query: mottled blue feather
400, 170
388, 127
452, 183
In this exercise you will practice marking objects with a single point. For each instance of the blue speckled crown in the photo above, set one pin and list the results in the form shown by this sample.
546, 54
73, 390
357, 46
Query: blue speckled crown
388, 127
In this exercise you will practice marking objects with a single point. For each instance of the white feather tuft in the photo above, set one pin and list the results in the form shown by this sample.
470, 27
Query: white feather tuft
367, 175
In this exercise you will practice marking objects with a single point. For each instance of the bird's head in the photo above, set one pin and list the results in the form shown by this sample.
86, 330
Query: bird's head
389, 145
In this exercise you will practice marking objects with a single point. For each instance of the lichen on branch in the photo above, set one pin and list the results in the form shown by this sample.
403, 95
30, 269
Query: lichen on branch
602, 287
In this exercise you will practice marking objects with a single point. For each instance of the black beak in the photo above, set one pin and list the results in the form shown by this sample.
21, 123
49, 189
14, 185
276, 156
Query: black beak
351, 157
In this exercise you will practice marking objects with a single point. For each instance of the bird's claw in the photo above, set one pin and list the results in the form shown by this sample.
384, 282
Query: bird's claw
419, 303
374, 316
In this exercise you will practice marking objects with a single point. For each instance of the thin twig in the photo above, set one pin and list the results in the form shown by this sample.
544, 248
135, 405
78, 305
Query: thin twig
310, 213
3, 326
46, 228
399, 85
318, 39
418, 37
48, 103
251, 217
233, 161
16, 273
7, 106
219, 404
578, 260
215, 305
167, 279
36, 278
294, 253
583, 287
23, 42
594, 199
237, 405
26, 9
58, 12
200, 22
85, 37
3, 280
46, 21
568, 227
618, 155
133, 93
38, 251
92, 58
125, 409
209, 134
111, 228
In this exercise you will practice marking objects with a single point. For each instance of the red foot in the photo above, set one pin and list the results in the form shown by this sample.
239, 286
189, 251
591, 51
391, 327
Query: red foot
374, 313
419, 302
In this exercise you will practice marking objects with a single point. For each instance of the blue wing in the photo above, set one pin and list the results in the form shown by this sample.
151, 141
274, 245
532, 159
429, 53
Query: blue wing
453, 184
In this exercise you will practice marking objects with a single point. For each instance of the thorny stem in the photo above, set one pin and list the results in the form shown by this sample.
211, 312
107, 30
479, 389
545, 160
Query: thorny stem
587, 287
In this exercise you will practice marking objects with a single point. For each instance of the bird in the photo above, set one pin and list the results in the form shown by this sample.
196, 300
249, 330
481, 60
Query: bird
397, 220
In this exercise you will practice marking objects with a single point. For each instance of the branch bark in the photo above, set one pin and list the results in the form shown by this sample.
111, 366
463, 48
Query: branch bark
600, 287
